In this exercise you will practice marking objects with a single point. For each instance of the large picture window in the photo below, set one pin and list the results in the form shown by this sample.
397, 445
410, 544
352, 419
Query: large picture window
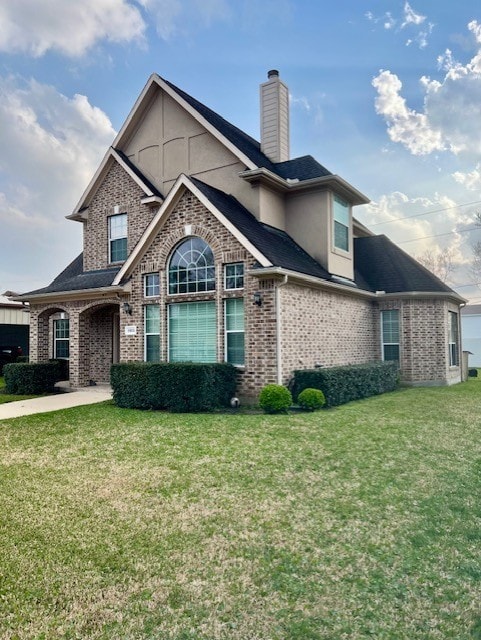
191, 268
192, 332
453, 339
118, 238
390, 334
61, 332
341, 223
234, 331
152, 333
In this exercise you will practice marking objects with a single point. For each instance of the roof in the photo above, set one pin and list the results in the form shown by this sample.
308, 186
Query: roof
139, 173
74, 278
276, 245
302, 168
383, 266
6, 302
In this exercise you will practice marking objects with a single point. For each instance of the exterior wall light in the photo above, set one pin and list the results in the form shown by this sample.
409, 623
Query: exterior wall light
127, 308
257, 299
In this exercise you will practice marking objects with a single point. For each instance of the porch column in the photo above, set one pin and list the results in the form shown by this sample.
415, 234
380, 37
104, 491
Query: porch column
39, 336
79, 349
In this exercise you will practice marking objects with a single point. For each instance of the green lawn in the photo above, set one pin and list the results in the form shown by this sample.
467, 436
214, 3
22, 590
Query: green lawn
357, 522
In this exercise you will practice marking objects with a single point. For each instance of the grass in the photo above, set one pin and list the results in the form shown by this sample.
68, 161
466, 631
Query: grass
6, 397
358, 522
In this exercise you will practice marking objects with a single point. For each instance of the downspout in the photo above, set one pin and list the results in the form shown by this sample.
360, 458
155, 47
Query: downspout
278, 330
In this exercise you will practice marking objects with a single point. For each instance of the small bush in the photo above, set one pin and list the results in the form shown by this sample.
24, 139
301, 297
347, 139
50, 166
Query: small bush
274, 398
311, 399
31, 378
22, 359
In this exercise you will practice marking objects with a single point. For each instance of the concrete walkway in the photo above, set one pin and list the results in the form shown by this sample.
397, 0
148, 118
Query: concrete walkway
89, 395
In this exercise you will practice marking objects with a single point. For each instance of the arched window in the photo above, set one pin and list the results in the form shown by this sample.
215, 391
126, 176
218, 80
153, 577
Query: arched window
191, 268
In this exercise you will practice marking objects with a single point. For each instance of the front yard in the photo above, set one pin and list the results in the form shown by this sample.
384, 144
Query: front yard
358, 522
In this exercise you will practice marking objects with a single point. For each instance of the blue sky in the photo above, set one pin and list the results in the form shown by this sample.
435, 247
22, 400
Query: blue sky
386, 94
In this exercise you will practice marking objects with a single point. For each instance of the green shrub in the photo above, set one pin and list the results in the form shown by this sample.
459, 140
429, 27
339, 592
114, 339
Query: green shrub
343, 384
179, 386
30, 378
22, 359
311, 399
274, 398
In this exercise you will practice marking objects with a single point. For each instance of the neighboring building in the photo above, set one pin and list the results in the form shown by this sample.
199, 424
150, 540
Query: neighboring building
471, 332
14, 322
200, 244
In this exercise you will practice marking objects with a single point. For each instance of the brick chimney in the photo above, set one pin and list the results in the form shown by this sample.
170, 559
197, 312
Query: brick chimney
275, 118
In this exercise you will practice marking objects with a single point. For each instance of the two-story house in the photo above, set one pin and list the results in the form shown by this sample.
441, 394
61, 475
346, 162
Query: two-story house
200, 244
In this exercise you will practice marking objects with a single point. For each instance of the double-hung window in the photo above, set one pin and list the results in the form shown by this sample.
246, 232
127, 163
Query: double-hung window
117, 237
453, 339
390, 334
341, 223
61, 331
151, 285
234, 331
152, 333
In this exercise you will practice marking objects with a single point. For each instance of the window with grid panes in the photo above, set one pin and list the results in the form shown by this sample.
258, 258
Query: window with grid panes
191, 268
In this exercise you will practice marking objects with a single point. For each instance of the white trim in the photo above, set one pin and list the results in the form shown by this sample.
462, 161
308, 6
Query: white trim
182, 183
144, 278
152, 334
383, 343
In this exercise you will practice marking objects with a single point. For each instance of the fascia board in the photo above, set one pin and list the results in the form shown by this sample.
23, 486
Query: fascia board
157, 222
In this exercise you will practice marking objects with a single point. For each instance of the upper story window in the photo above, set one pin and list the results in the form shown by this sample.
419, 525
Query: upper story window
151, 285
191, 268
453, 339
390, 334
341, 223
118, 237
234, 275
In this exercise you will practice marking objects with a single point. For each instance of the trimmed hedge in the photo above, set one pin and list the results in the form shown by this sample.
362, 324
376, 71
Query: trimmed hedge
178, 387
274, 398
30, 378
343, 384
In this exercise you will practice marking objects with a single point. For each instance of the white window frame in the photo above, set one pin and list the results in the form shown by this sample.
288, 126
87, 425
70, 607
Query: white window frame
170, 307
195, 266
227, 332
336, 198
155, 285
236, 276
112, 238
390, 344
63, 339
150, 333
453, 340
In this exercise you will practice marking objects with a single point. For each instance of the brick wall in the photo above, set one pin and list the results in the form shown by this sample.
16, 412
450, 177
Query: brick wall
326, 328
116, 189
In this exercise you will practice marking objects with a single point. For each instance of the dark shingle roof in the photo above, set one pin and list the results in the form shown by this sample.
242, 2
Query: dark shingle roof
276, 245
301, 168
139, 173
383, 266
74, 278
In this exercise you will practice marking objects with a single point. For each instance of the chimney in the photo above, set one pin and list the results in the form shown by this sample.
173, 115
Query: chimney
275, 118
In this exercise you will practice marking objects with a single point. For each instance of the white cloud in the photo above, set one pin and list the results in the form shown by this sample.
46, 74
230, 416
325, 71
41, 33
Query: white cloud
410, 128
72, 28
51, 146
411, 17
471, 179
440, 126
